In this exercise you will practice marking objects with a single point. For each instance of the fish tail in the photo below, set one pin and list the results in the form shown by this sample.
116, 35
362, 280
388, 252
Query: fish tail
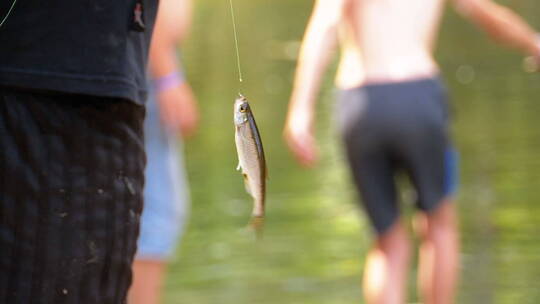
257, 224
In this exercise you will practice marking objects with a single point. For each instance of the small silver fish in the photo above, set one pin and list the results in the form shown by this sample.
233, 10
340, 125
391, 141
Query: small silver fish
251, 159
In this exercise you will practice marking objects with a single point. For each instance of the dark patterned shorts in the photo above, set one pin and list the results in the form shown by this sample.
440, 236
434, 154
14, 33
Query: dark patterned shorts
71, 180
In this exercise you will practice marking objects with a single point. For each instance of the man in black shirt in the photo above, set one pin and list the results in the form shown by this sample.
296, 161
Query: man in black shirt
72, 88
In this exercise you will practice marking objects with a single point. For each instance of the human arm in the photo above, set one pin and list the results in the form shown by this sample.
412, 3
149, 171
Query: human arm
318, 44
501, 24
178, 106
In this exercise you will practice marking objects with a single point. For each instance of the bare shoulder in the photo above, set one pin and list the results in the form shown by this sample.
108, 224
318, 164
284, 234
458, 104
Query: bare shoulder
331, 9
174, 16
333, 4
468, 5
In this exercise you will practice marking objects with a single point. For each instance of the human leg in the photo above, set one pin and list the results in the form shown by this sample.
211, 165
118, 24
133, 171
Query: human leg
148, 277
386, 267
439, 254
437, 224
364, 117
425, 153
387, 261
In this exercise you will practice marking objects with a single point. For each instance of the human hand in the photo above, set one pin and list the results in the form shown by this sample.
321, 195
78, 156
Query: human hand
178, 109
298, 135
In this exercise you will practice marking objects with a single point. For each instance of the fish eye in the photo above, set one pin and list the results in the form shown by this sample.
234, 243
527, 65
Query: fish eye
243, 108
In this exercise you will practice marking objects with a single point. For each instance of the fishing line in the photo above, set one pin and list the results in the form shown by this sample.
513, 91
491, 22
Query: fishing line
236, 42
9, 12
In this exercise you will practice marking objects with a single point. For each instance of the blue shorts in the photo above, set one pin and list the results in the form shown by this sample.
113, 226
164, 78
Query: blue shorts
166, 197
391, 127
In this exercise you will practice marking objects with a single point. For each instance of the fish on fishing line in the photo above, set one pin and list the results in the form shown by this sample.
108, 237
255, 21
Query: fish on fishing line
251, 160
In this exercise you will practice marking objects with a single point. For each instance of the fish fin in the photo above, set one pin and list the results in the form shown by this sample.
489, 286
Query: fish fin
238, 168
246, 183
257, 224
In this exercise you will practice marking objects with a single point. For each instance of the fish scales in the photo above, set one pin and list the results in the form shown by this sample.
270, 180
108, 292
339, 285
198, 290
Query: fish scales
250, 166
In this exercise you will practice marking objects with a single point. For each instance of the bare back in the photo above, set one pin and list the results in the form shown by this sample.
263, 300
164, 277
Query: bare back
388, 40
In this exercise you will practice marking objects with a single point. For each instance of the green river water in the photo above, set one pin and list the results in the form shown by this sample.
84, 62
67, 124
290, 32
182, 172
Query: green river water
316, 236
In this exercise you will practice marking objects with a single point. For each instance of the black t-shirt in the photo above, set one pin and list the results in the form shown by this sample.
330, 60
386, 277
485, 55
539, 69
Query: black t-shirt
94, 47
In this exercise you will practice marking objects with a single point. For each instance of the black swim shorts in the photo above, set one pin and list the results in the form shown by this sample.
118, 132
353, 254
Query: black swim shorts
394, 127
71, 180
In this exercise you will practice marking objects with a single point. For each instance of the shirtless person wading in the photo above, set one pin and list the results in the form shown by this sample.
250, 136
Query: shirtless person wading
393, 116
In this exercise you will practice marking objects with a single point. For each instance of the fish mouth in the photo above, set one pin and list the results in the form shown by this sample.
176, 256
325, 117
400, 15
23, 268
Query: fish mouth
241, 99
